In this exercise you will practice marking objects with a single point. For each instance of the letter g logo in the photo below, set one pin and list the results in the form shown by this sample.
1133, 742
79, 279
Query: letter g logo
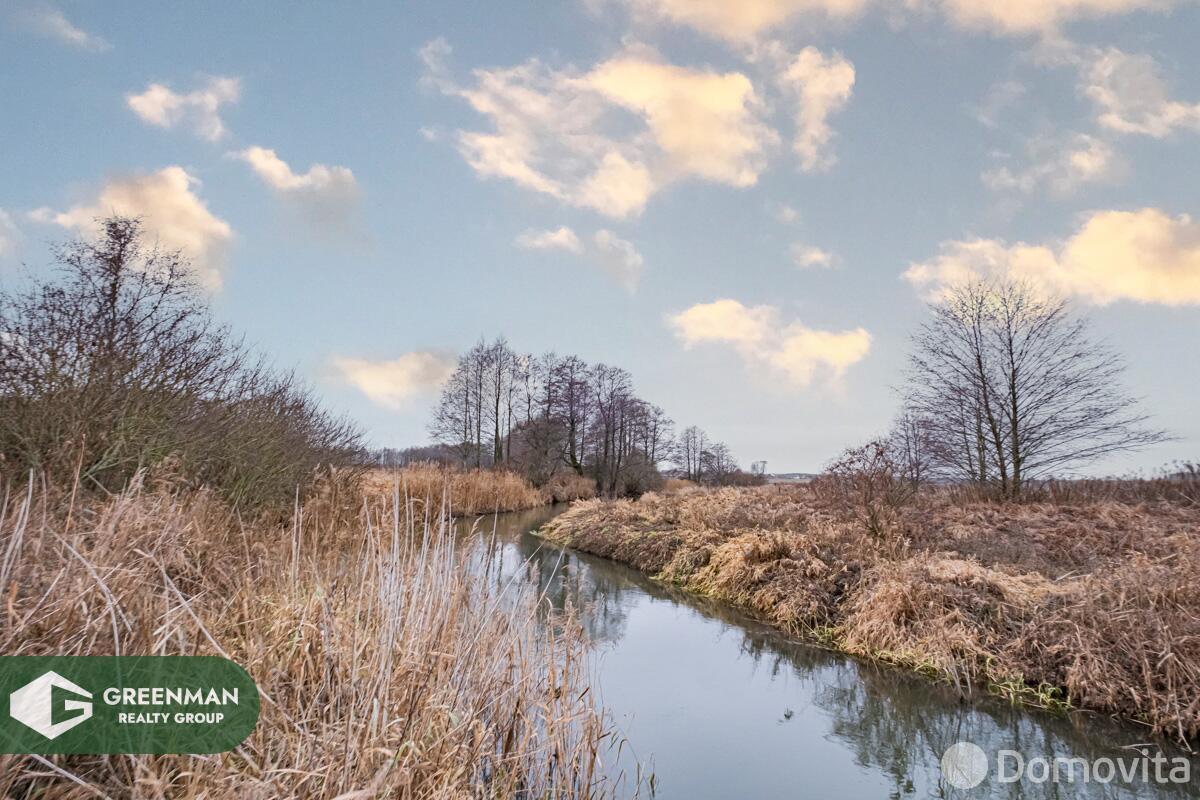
50, 705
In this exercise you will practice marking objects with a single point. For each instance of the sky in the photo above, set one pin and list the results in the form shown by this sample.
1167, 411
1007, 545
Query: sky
747, 205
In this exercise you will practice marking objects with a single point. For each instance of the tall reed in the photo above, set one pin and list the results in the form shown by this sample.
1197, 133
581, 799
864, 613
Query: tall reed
387, 666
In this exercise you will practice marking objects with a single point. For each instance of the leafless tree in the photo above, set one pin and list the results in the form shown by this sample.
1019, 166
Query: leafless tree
1011, 388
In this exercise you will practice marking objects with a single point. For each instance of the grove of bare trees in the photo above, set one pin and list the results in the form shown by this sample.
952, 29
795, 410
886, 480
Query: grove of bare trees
545, 414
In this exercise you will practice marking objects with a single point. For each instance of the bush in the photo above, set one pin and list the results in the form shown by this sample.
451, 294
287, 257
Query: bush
115, 365
867, 479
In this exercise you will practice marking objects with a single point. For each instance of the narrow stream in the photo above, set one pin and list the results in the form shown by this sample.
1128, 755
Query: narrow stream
719, 705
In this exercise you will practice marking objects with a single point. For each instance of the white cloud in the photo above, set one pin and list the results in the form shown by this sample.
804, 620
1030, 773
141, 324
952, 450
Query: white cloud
1000, 97
614, 255
822, 85
1062, 165
759, 336
1131, 95
8, 234
619, 258
50, 21
1145, 256
327, 195
159, 105
392, 384
786, 214
1037, 16
562, 238
707, 124
609, 138
806, 256
745, 21
172, 213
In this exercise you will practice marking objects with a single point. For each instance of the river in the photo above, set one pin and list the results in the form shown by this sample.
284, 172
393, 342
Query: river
719, 705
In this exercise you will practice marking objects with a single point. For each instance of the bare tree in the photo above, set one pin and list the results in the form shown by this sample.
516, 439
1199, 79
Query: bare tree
910, 445
1011, 387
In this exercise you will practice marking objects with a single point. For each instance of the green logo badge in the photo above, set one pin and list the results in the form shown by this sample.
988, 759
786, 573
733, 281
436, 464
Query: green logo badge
124, 704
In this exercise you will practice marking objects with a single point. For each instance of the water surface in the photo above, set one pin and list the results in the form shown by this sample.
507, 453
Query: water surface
721, 706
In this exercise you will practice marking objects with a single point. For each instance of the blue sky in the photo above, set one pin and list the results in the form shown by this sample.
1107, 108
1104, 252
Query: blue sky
744, 204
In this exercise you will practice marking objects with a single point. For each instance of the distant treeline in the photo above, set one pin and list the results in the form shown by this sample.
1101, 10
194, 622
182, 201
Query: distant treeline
543, 415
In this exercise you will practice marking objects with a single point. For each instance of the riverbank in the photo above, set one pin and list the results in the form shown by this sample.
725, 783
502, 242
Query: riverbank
1091, 604
476, 491
387, 666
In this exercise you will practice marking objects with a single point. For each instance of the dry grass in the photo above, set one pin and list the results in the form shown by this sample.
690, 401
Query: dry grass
468, 492
1093, 603
566, 487
386, 667
477, 491
677, 485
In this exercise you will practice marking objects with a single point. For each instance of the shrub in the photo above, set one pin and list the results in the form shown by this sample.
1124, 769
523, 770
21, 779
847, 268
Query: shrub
114, 364
868, 480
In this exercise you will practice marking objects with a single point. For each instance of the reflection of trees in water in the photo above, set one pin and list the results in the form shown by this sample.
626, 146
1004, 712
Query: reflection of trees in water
901, 724
893, 722
561, 578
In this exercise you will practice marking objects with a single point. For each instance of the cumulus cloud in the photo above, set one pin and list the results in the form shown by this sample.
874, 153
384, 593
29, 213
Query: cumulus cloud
617, 257
200, 109
1145, 256
1062, 165
786, 214
611, 137
1132, 96
327, 195
1000, 97
393, 384
562, 238
821, 85
171, 211
745, 21
8, 234
50, 21
758, 334
806, 256
1033, 16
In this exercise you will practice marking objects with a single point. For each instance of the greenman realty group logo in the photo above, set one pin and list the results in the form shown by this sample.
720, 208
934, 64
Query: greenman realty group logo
125, 704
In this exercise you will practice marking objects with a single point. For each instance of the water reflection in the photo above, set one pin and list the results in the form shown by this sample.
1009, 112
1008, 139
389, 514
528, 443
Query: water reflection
730, 708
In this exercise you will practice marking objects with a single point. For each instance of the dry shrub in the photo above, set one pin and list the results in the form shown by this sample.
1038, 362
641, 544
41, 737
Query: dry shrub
672, 485
113, 364
467, 492
868, 481
1096, 604
386, 667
